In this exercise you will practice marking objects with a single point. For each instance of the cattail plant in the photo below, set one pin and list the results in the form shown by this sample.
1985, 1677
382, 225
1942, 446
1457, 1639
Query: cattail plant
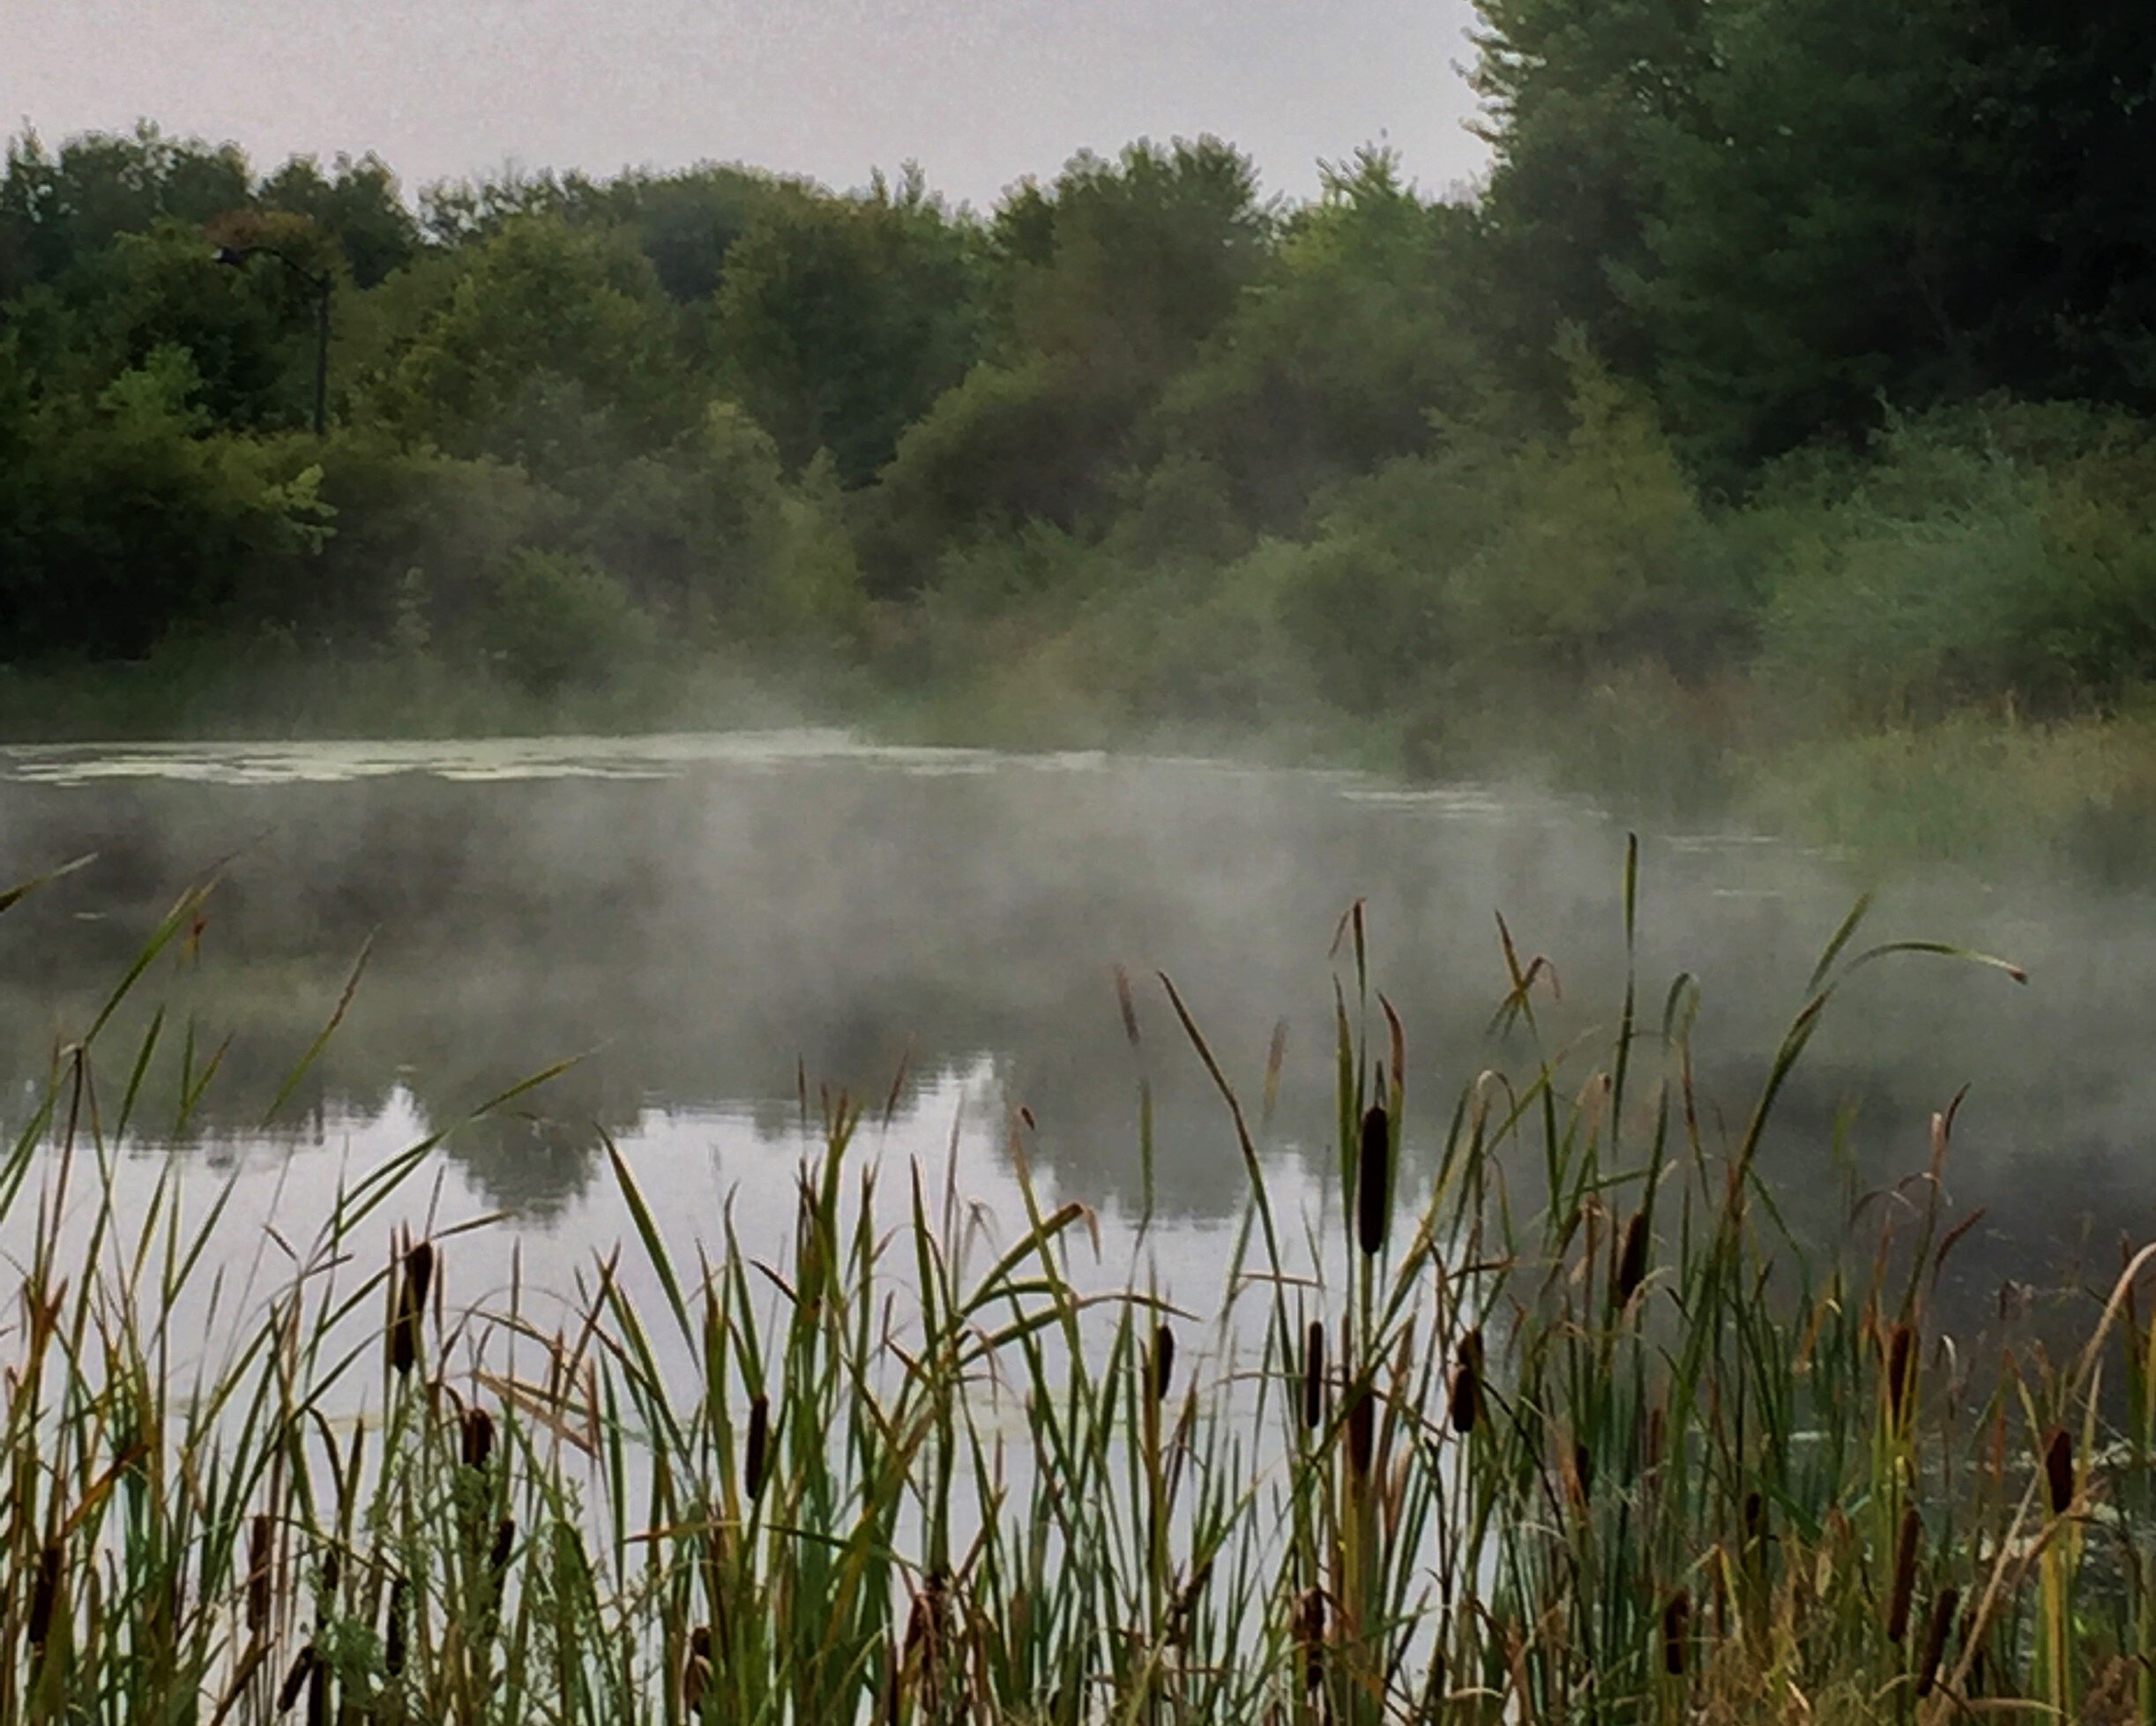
1362, 1431
477, 1439
1631, 1269
1464, 1404
1374, 1181
1313, 1377
2059, 1470
409, 1317
1163, 1362
754, 1451
296, 1678
1676, 1632
260, 1538
1903, 1588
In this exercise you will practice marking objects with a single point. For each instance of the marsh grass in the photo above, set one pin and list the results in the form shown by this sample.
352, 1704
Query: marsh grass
1546, 1420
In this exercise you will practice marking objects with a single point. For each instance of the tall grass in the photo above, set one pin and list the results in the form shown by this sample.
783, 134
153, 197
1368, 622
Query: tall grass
1549, 1420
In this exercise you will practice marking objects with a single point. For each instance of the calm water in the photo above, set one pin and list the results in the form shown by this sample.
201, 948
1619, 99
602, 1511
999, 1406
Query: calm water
703, 922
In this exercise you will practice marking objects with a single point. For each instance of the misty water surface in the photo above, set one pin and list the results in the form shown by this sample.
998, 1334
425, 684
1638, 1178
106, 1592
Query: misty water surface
707, 924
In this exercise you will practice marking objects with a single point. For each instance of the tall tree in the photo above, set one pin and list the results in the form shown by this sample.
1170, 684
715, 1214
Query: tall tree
840, 320
1576, 94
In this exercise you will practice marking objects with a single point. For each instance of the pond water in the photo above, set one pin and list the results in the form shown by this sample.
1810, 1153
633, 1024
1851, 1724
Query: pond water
712, 927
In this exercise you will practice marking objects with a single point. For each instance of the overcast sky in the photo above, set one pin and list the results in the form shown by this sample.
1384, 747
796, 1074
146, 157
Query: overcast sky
979, 91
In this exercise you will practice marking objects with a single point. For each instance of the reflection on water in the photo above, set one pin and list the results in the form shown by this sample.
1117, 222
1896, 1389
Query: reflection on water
708, 923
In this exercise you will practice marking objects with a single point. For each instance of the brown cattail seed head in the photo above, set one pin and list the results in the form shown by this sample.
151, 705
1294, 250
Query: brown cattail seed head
411, 1308
1163, 1361
1676, 1632
1465, 1401
1362, 1430
1900, 1371
296, 1680
1313, 1377
1935, 1640
2059, 1470
478, 1439
1583, 1471
45, 1593
393, 1631
419, 1273
1374, 1181
759, 1441
1631, 1263
1903, 1589
1755, 1517
259, 1535
404, 1337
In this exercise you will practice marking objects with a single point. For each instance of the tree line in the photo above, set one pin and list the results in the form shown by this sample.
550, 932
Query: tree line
1789, 347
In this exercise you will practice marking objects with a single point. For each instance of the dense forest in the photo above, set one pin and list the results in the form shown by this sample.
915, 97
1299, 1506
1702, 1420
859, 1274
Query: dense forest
1792, 370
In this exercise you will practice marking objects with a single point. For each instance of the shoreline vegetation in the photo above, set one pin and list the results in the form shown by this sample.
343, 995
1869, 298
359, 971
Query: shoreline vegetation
1776, 423
1985, 788
1546, 1418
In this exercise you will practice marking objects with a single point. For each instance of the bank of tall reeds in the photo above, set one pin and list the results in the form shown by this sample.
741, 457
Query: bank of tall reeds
1541, 1420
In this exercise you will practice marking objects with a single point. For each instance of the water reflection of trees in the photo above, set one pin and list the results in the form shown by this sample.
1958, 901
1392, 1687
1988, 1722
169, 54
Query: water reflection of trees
694, 942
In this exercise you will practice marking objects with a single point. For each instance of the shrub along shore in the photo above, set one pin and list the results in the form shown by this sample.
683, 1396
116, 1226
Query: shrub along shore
1543, 1419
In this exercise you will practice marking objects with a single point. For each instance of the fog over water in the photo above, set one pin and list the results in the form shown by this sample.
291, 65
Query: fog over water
705, 922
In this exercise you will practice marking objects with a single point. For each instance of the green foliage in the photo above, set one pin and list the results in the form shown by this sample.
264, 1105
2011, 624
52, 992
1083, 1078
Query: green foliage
842, 320
1126, 266
556, 620
556, 347
1789, 362
1341, 354
1034, 443
2008, 555
357, 206
1571, 1428
129, 522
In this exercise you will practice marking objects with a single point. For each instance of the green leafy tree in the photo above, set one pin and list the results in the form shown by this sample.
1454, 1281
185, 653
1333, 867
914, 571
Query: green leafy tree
249, 332
1577, 96
554, 347
1920, 203
1105, 284
57, 210
1356, 343
356, 204
840, 321
133, 521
